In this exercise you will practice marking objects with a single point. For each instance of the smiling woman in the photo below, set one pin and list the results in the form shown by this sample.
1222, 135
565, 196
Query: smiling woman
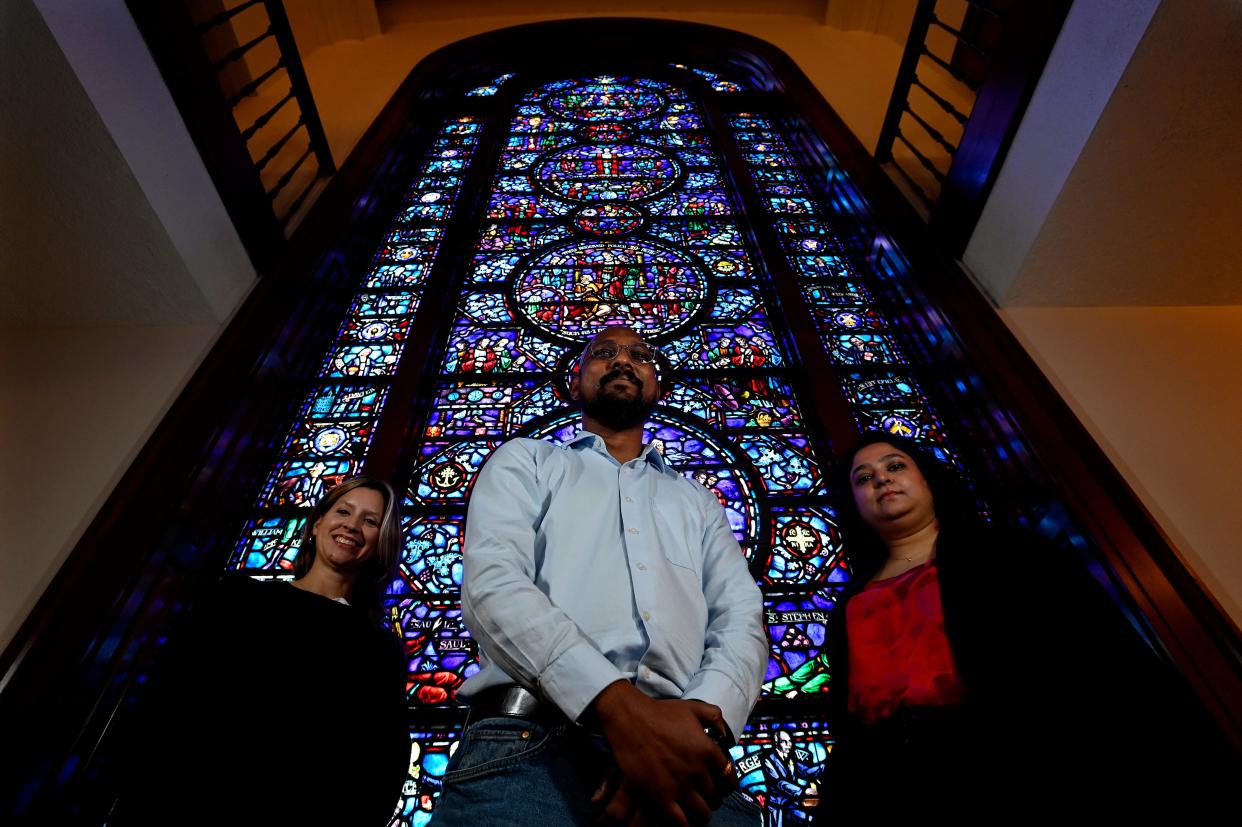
337, 684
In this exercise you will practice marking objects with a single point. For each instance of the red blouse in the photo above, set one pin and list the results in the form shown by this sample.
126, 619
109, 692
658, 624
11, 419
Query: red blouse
898, 653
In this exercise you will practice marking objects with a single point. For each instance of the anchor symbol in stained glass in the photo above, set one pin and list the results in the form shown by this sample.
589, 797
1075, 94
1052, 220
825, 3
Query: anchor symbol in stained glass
900, 426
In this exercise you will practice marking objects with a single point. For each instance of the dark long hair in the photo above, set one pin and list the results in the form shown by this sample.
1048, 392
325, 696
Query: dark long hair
381, 568
864, 549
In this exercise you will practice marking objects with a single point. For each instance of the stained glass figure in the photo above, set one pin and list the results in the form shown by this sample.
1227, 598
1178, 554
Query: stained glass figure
573, 290
303, 482
604, 100
781, 765
611, 172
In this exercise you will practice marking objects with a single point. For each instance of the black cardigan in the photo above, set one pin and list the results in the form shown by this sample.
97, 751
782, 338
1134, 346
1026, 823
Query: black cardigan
277, 706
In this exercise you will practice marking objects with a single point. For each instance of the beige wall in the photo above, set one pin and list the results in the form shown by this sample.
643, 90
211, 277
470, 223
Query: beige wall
352, 80
118, 266
1111, 243
77, 405
1159, 388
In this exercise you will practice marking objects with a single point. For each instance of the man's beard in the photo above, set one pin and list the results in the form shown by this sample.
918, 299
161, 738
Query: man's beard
614, 412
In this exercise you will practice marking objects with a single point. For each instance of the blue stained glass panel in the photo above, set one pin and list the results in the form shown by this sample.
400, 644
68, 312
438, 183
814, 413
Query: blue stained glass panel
478, 409
438, 646
398, 275
863, 348
748, 345
804, 547
702, 234
486, 308
524, 207
737, 302
624, 172
691, 204
303, 482
784, 462
796, 627
914, 423
375, 330
343, 402
269, 543
725, 402
839, 319
362, 360
607, 99
384, 304
430, 750
431, 558
494, 268
520, 236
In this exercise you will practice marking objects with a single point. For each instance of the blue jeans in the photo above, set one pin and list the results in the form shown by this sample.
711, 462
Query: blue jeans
508, 771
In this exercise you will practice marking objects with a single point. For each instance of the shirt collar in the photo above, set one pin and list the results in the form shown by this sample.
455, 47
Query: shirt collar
587, 439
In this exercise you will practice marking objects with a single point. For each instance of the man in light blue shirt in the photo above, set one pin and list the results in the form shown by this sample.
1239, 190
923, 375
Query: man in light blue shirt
621, 630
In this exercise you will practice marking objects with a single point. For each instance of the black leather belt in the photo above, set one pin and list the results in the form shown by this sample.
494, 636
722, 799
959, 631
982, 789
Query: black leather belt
514, 702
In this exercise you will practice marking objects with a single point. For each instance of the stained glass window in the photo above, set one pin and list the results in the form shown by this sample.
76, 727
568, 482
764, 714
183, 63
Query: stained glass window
609, 203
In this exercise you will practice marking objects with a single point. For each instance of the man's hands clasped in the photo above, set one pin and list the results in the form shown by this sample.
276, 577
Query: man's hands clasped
668, 770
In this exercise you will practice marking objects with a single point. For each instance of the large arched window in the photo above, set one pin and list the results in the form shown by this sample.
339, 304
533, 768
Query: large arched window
669, 200
521, 190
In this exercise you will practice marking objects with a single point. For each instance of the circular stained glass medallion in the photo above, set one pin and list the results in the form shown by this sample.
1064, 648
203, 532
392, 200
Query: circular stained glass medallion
624, 172
608, 219
573, 290
604, 100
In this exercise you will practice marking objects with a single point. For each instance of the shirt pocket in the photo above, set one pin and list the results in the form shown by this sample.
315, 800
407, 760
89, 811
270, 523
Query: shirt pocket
678, 531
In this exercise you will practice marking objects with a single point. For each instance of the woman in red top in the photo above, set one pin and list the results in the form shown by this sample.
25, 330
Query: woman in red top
977, 670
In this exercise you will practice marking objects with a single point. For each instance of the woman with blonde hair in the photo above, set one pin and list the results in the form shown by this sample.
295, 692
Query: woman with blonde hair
284, 703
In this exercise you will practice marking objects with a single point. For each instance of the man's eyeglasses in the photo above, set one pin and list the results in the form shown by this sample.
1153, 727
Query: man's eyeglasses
640, 352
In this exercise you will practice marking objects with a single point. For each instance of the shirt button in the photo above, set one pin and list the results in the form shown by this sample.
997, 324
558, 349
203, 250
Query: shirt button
633, 531
641, 567
646, 673
647, 616
629, 499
